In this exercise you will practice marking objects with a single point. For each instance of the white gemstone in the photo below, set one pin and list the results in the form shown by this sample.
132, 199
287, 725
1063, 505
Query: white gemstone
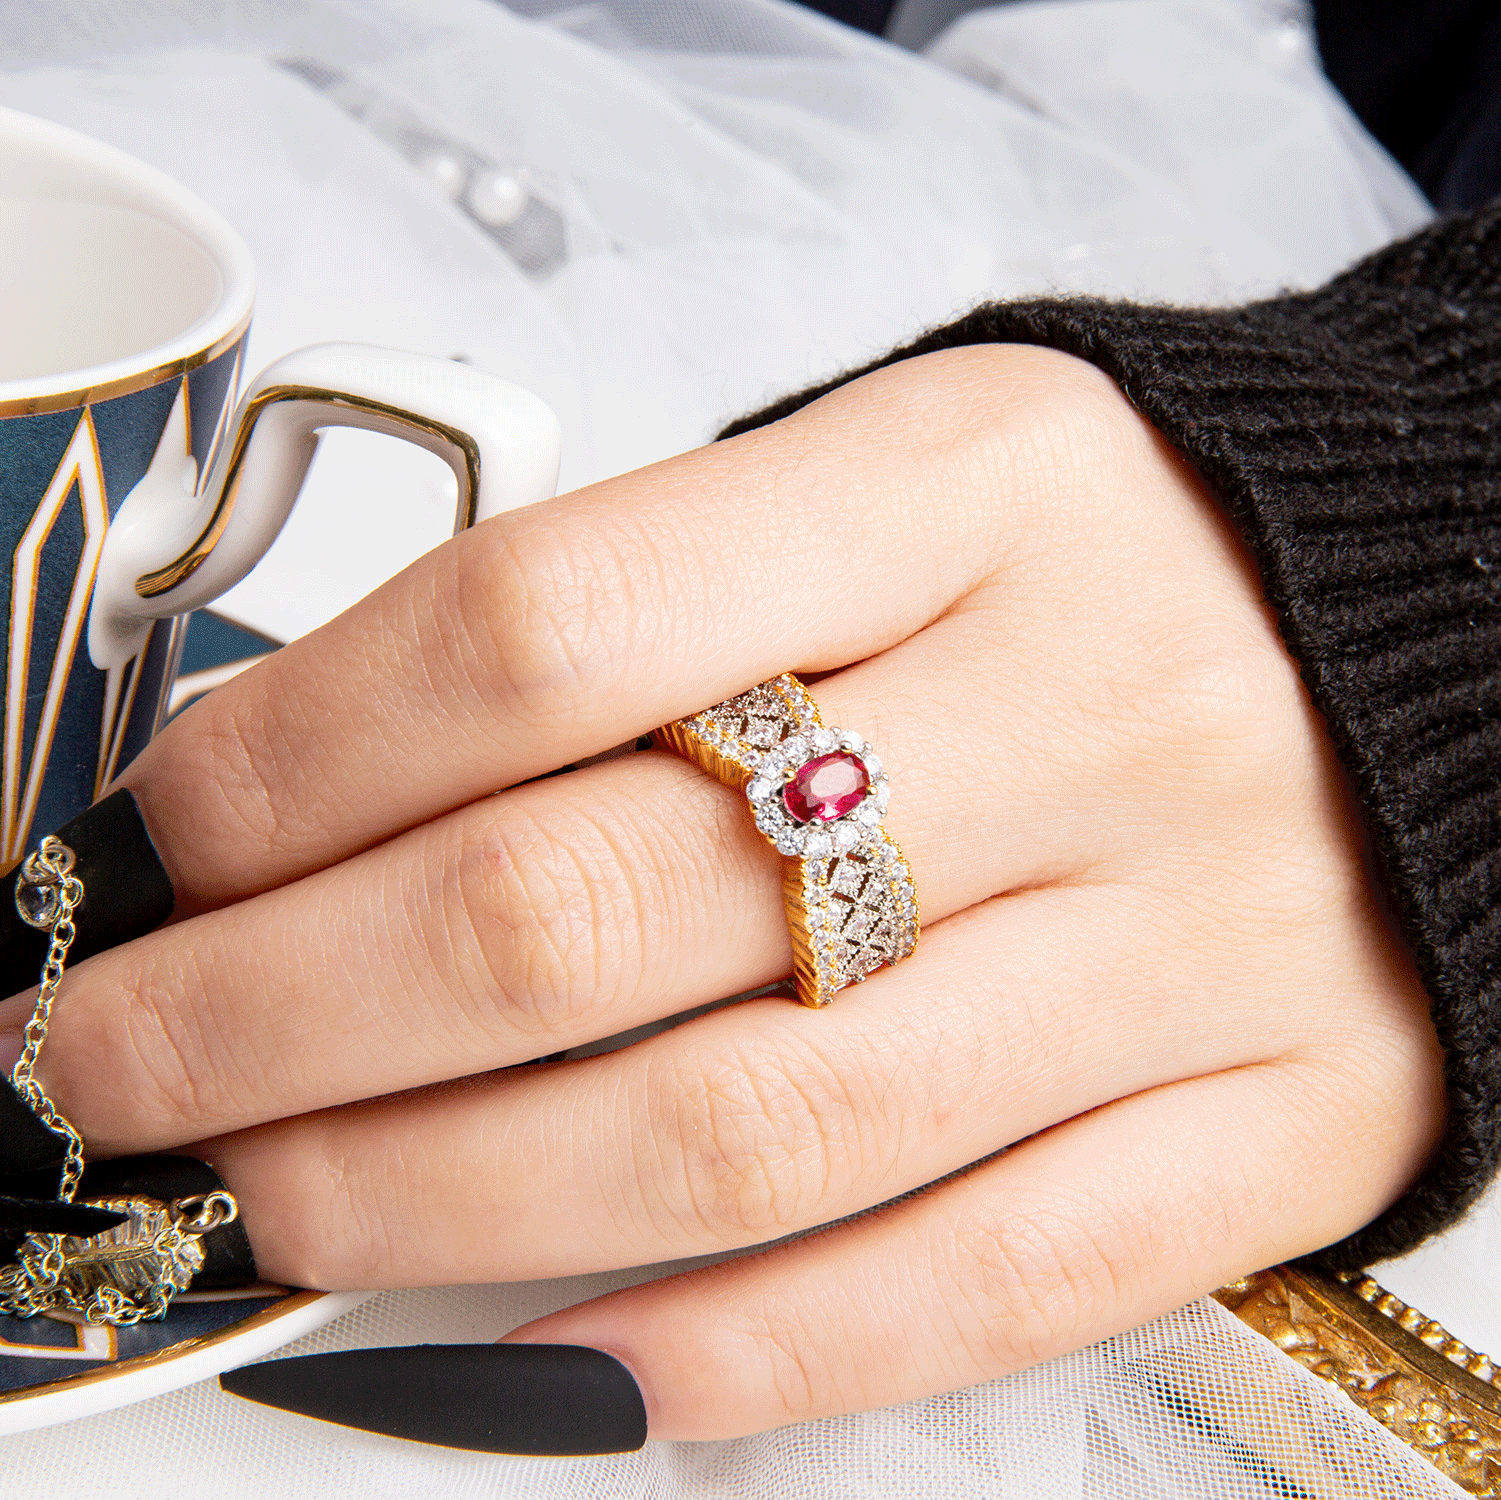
769, 820
851, 741
846, 836
872, 764
819, 844
789, 842
883, 796
868, 813
759, 789
772, 766
817, 916
823, 741
795, 750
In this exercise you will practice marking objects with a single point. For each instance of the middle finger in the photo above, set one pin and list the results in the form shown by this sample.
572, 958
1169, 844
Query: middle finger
554, 914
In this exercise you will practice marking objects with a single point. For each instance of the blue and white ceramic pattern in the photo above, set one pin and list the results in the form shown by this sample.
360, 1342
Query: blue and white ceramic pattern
69, 724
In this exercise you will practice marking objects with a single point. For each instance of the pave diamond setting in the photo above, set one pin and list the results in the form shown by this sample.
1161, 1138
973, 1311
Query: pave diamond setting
818, 795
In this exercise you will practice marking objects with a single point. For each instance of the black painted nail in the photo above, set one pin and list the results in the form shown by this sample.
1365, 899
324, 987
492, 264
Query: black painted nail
536, 1399
126, 892
48, 1216
26, 1145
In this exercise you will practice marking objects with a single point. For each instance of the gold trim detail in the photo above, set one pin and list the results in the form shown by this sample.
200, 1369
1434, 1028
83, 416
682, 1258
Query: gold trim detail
79, 470
164, 580
172, 1351
851, 906
1434, 1393
126, 385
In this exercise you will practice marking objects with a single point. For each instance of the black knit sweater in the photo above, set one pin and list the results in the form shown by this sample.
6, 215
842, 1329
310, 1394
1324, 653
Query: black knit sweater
1353, 435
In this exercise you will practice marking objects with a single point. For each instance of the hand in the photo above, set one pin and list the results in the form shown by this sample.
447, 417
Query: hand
1153, 965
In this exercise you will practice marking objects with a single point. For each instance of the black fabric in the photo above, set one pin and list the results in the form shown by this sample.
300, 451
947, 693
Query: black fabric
1425, 78
126, 891
1353, 435
25, 1143
20, 1217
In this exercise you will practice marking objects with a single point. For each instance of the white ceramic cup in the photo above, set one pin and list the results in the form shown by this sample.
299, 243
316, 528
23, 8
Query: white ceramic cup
132, 489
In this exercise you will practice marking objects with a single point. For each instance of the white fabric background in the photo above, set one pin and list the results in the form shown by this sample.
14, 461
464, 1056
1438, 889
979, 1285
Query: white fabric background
732, 198
749, 197
1193, 1405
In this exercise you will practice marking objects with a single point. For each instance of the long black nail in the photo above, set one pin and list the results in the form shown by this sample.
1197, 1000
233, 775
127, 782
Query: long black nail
26, 1145
48, 1216
126, 892
536, 1399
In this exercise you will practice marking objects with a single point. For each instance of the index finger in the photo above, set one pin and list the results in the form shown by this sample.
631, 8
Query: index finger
551, 634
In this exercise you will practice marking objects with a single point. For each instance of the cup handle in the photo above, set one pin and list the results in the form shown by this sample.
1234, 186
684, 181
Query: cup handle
166, 554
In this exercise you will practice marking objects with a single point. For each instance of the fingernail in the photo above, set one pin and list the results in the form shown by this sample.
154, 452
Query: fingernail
26, 1145
542, 1400
126, 892
48, 1216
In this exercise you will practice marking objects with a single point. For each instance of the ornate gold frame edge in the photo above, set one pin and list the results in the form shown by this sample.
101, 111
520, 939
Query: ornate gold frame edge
111, 1371
1405, 1370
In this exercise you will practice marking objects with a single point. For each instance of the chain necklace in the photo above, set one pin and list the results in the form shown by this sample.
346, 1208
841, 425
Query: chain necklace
129, 1273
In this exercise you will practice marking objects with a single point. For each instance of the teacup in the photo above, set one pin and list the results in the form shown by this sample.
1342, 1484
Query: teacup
133, 488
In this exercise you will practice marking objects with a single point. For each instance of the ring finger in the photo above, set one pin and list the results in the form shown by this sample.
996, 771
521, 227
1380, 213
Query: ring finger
557, 913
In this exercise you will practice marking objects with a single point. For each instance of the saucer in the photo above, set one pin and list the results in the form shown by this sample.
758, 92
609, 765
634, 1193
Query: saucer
53, 1370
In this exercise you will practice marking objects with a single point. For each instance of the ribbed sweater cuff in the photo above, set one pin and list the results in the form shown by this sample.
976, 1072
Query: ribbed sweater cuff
1353, 435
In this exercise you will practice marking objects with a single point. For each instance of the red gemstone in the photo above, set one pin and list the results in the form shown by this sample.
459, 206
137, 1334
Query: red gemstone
827, 788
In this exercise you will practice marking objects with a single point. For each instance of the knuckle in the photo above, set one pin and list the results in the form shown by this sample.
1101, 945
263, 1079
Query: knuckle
1027, 1282
553, 915
1201, 702
244, 743
764, 1136
799, 1379
160, 1090
551, 613
333, 1224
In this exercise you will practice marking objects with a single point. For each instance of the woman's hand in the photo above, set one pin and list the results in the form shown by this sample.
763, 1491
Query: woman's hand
1153, 964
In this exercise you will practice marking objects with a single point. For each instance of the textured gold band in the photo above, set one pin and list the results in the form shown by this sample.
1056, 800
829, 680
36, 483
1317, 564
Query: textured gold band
851, 903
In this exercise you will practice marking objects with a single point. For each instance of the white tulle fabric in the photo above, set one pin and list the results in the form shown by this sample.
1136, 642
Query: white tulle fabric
1193, 1405
657, 213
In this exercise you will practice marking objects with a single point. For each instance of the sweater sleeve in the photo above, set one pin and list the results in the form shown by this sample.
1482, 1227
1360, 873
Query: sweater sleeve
1353, 435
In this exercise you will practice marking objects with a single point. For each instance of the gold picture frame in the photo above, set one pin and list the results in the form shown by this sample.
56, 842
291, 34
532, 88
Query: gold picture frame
1436, 1394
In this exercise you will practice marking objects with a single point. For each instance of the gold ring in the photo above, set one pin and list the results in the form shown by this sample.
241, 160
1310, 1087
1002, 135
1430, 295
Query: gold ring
818, 795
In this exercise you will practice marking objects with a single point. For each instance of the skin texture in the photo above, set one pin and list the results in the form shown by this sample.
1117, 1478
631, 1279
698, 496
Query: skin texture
1154, 965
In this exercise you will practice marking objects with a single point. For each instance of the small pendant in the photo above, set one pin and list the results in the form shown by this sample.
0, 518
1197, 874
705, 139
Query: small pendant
149, 1250
122, 1275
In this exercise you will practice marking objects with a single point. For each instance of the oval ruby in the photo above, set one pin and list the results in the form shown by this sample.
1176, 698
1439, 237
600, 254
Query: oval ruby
826, 788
